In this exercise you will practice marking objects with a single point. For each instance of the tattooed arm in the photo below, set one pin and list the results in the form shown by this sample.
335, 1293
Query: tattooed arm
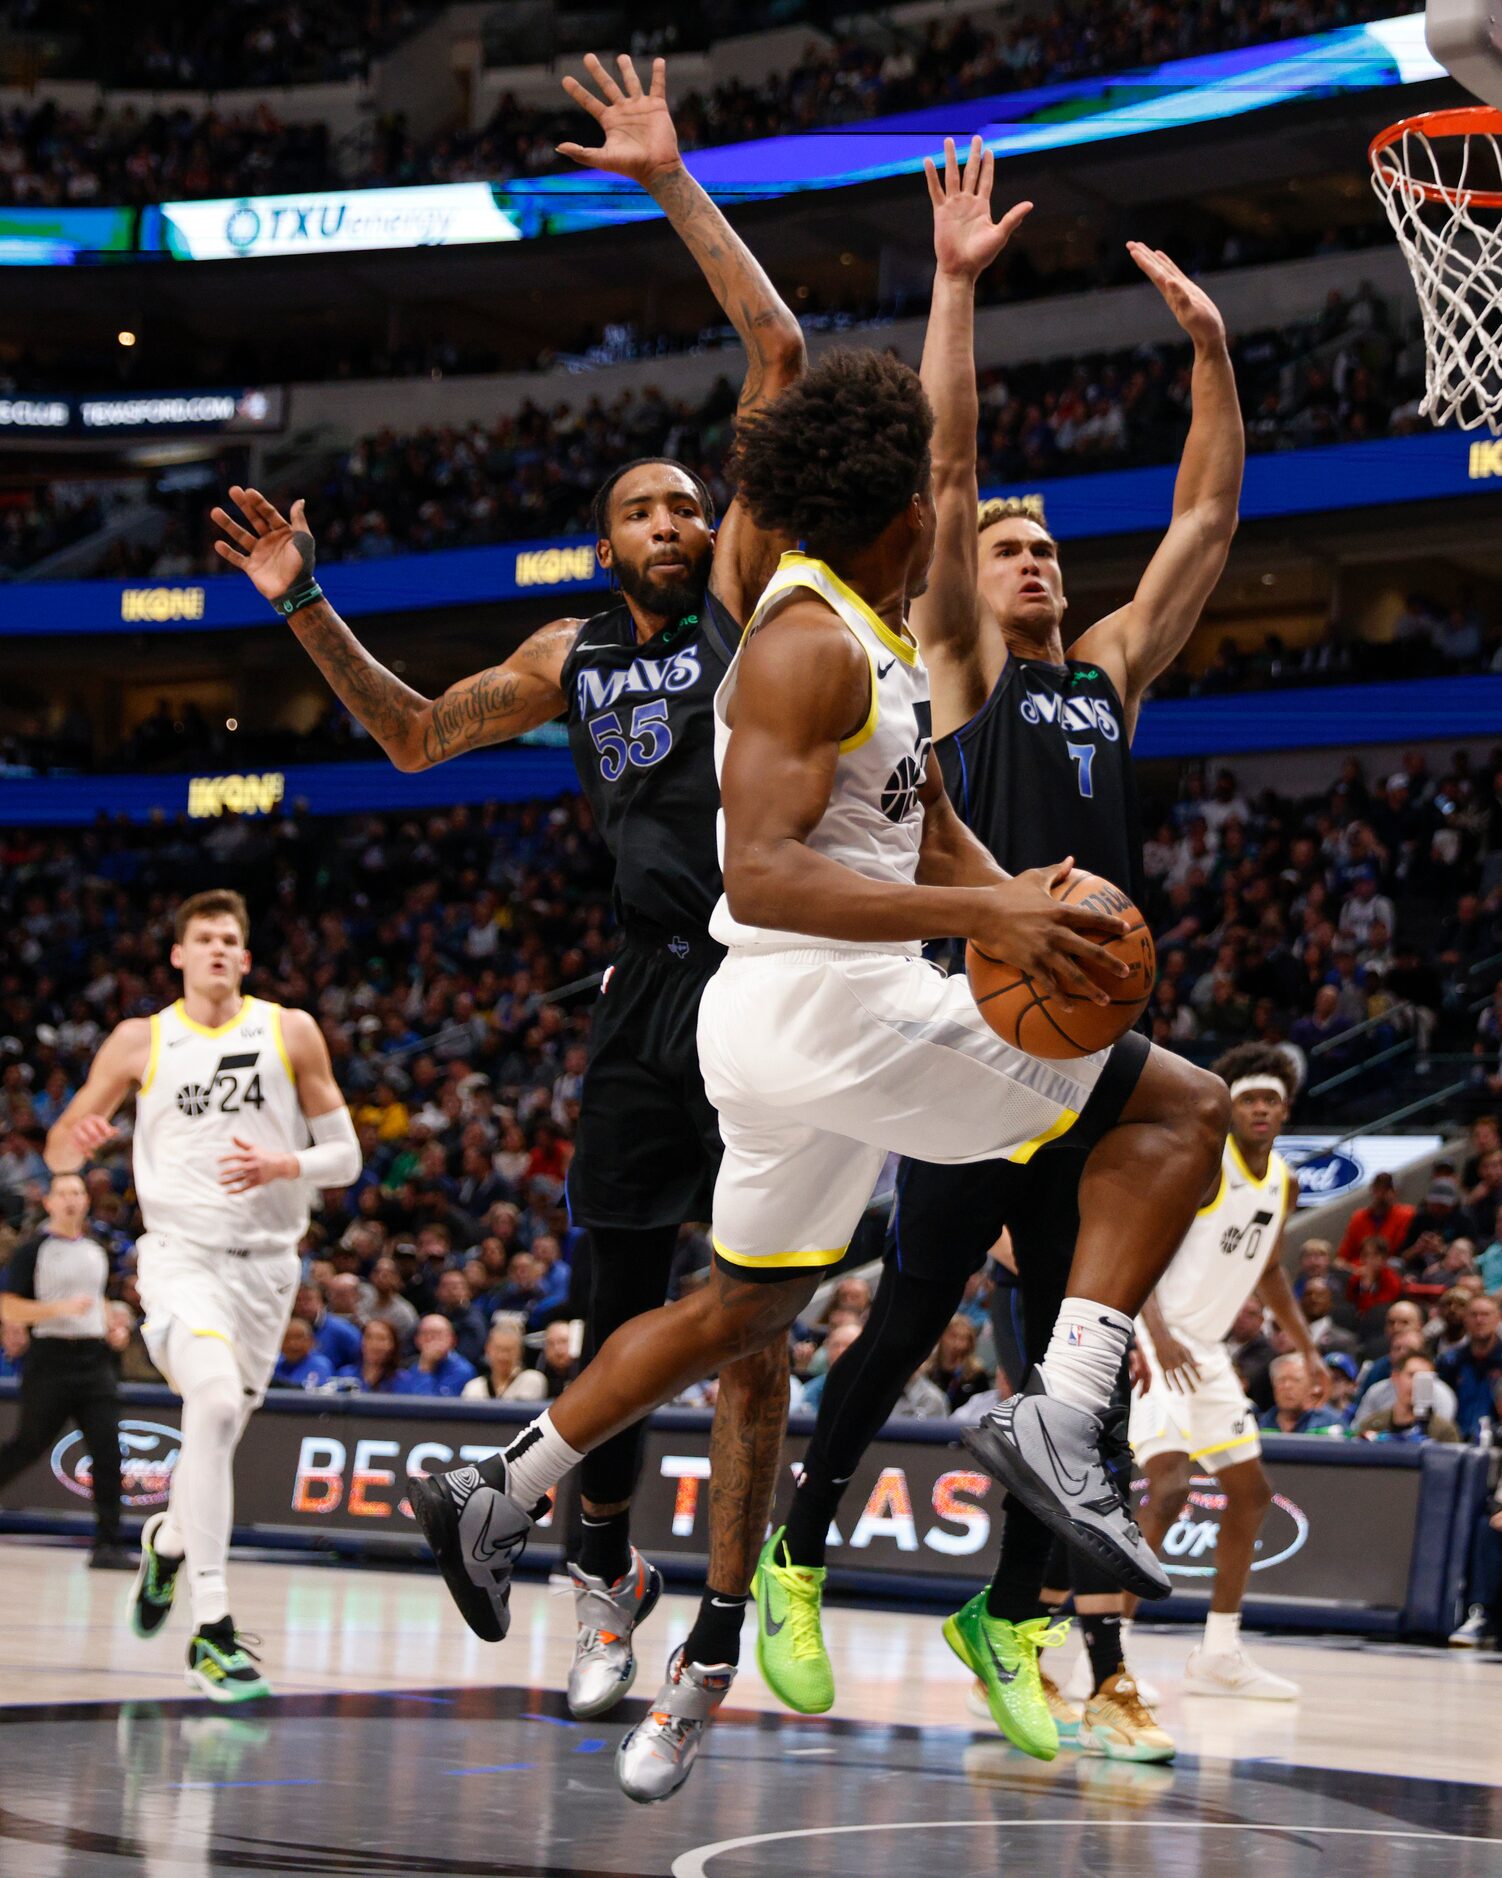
415, 732
640, 142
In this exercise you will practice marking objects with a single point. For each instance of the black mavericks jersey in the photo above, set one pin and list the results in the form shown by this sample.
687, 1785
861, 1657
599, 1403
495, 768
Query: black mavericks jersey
1044, 770
641, 730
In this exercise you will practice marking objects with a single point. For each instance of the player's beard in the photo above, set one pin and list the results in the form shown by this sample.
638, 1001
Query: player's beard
669, 598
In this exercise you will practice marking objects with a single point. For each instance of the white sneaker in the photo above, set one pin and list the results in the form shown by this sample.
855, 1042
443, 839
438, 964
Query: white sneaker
1232, 1672
1471, 1635
1081, 1684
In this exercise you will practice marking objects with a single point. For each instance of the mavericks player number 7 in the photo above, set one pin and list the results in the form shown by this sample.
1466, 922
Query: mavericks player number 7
228, 1090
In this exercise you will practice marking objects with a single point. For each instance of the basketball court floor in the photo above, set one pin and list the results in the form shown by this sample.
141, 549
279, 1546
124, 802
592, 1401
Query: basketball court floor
398, 1743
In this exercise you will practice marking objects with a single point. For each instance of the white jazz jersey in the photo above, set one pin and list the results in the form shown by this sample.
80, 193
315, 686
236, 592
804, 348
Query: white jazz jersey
201, 1088
1225, 1251
874, 821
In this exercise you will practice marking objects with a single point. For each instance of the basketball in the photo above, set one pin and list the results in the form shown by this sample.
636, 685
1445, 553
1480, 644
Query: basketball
1036, 1021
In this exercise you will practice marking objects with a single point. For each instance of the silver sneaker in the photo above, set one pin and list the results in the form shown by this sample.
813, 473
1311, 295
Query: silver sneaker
1047, 1452
476, 1533
658, 1755
604, 1665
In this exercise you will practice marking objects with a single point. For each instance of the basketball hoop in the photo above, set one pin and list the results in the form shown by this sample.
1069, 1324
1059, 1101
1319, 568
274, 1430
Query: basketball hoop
1439, 176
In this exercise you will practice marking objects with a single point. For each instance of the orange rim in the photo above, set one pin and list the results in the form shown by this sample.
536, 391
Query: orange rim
1474, 120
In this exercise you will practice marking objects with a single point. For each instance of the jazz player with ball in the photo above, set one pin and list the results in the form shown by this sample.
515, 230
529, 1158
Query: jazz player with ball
228, 1090
1035, 749
827, 1040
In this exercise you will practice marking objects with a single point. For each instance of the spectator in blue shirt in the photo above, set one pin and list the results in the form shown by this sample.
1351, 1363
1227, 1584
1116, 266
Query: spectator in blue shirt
1292, 1412
439, 1369
300, 1366
335, 1339
380, 1361
452, 1299
1474, 1369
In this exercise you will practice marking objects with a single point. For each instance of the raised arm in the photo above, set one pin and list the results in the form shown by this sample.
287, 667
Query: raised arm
640, 142
85, 1126
522, 692
1144, 637
961, 641
803, 687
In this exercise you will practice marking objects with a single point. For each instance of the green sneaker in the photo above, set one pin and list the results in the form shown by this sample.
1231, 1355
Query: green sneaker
789, 1642
156, 1583
1004, 1657
222, 1668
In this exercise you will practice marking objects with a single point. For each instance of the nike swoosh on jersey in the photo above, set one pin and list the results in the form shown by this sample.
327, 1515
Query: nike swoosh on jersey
882, 670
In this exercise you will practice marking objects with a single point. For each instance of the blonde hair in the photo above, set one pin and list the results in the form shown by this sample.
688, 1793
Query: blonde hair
1008, 508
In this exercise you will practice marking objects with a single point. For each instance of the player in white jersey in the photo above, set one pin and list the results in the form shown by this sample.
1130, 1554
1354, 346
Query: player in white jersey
229, 1090
1192, 1415
825, 1038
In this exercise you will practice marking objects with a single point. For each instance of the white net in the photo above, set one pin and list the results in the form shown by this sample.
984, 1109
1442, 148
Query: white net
1443, 194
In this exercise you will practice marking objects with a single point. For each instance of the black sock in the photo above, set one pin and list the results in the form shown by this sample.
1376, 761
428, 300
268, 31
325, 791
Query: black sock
605, 1548
814, 1506
1025, 1544
1102, 1632
716, 1635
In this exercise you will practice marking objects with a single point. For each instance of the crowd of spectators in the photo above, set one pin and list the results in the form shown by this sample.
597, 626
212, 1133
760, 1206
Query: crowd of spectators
851, 77
1376, 903
237, 44
1339, 377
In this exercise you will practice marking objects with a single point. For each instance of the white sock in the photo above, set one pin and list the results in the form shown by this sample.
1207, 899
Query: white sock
201, 1509
1084, 1353
1222, 1632
537, 1460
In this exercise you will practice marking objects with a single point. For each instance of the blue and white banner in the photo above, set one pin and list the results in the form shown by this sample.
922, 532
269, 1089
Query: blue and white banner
342, 221
1335, 1167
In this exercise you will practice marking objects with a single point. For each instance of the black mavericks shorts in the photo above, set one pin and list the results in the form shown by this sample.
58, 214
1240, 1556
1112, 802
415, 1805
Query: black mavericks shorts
648, 1143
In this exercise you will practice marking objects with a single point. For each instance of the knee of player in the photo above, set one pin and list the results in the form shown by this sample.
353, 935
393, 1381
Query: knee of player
1170, 1489
1252, 1491
1205, 1109
216, 1410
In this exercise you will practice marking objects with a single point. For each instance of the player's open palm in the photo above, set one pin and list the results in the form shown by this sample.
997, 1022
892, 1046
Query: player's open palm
639, 136
966, 239
1188, 302
276, 551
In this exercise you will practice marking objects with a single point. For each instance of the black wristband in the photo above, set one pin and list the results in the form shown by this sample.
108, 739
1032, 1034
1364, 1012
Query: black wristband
304, 594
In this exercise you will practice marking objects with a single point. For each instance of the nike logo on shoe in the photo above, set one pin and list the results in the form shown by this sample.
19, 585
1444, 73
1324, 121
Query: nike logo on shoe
1003, 1674
1069, 1482
484, 1547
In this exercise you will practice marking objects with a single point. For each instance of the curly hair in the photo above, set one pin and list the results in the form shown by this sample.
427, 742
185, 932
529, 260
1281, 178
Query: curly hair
837, 456
1258, 1059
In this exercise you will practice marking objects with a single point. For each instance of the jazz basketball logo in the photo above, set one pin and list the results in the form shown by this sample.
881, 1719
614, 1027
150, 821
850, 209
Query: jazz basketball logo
900, 796
228, 1090
148, 1458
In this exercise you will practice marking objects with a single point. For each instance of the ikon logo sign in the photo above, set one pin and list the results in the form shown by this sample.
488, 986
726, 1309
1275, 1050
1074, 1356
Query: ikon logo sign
148, 1456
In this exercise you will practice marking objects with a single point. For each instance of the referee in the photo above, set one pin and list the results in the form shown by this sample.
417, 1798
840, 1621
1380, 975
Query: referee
54, 1285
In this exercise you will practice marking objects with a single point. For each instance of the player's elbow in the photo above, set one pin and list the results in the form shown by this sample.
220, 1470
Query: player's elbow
410, 755
784, 351
752, 890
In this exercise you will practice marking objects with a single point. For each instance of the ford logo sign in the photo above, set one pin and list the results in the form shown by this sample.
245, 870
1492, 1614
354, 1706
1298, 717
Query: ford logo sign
148, 1458
1327, 1176
1189, 1544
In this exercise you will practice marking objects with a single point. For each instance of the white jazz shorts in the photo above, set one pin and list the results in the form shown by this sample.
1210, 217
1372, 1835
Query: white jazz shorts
244, 1298
821, 1062
1214, 1424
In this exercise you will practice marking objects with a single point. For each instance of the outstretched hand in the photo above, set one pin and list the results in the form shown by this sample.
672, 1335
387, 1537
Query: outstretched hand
274, 551
1188, 302
966, 240
640, 140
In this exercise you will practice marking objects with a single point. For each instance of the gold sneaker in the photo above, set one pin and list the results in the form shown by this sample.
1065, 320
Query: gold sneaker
1118, 1723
